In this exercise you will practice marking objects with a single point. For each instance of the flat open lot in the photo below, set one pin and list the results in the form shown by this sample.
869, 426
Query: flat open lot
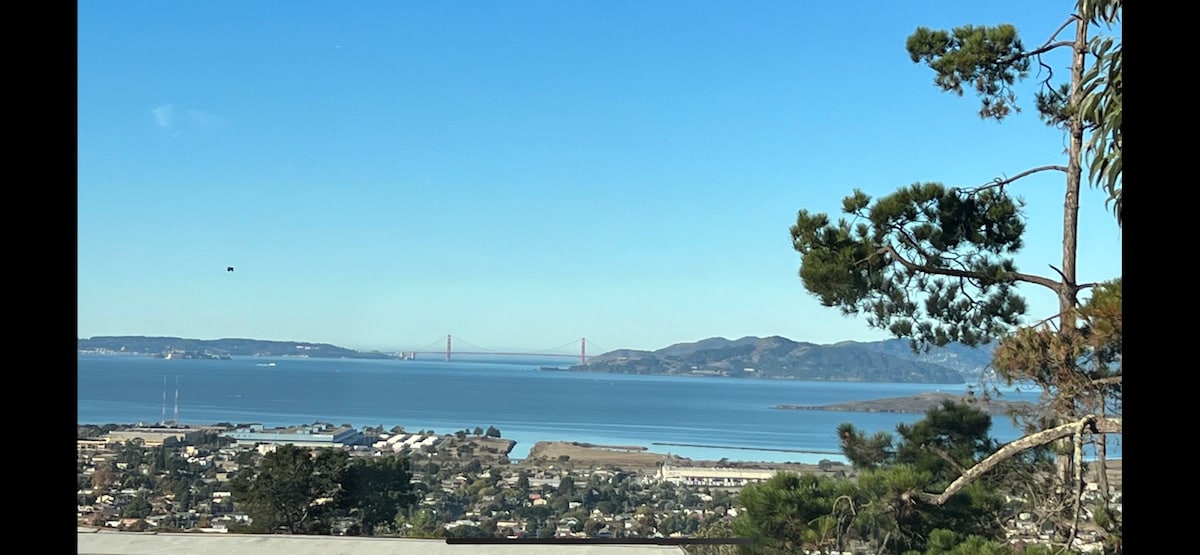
638, 459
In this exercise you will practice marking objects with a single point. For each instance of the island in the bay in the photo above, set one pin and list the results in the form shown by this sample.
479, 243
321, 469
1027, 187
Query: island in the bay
749, 357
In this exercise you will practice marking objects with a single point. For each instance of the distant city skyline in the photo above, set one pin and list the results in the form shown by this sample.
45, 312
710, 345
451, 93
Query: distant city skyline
521, 174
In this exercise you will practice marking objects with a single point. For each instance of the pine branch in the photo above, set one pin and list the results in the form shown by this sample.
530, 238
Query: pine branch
1009, 276
945, 457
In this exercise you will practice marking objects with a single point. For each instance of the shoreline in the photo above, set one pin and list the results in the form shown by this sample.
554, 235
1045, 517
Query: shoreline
702, 446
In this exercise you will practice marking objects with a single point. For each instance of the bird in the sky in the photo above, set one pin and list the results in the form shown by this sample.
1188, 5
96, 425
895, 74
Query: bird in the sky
229, 269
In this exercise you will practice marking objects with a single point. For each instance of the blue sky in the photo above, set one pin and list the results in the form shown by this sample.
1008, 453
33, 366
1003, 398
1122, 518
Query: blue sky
519, 174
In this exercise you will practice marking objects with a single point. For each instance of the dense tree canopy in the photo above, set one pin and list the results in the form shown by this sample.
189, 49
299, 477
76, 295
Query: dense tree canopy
291, 490
298, 490
936, 263
882, 507
375, 490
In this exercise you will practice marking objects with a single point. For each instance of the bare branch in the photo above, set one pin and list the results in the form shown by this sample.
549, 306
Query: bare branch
1046, 320
1049, 74
1057, 271
1095, 424
883, 544
849, 502
1012, 276
1111, 380
1037, 52
1047, 47
998, 182
1060, 29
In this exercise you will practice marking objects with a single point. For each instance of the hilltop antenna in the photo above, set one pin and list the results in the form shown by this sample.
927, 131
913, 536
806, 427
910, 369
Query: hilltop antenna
176, 421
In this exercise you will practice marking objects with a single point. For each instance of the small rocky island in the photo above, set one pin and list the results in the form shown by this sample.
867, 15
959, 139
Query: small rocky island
920, 403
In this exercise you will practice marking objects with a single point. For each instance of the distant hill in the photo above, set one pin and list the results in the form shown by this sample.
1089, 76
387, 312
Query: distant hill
216, 348
749, 357
779, 357
968, 361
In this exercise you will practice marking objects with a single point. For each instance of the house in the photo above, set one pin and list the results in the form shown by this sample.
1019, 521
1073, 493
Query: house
460, 522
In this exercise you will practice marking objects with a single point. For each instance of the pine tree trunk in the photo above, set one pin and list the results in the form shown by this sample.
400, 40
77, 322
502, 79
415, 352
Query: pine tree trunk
1101, 463
1068, 292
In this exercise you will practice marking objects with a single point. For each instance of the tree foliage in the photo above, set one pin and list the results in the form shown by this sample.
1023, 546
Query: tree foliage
863, 452
935, 263
927, 262
1101, 104
298, 490
292, 490
952, 436
928, 455
791, 513
422, 524
883, 507
375, 490
1080, 371
990, 60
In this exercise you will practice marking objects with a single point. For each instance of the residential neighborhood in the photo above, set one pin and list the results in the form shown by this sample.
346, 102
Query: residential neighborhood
168, 478
179, 479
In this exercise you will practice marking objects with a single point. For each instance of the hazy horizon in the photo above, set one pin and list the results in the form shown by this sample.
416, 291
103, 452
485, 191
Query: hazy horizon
501, 349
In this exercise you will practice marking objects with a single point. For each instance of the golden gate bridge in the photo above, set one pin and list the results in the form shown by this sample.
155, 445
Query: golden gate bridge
449, 352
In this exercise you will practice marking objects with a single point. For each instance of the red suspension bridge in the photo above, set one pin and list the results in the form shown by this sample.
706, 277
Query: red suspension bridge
449, 352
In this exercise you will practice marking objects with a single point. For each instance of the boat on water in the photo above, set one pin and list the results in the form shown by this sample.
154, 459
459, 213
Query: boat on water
266, 364
552, 369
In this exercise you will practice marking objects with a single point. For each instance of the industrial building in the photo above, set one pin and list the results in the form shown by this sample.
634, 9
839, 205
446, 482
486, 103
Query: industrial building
407, 444
154, 436
718, 477
312, 435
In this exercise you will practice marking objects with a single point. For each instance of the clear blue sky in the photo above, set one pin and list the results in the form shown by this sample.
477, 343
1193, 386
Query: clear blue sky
519, 174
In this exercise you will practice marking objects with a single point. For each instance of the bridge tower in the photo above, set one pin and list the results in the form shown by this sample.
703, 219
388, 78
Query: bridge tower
447, 347
582, 351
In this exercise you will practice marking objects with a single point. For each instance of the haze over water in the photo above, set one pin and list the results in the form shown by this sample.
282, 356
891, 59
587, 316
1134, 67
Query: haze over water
524, 403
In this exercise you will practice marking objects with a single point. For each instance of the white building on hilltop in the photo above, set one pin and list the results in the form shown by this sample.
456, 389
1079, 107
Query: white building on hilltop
717, 477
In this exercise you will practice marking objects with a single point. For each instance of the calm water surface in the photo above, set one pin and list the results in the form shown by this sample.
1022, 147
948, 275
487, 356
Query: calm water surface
526, 404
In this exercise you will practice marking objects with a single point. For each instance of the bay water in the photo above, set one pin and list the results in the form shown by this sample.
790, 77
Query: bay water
731, 418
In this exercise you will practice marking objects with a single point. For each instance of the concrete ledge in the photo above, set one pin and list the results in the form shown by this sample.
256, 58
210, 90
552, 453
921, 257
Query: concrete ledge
103, 542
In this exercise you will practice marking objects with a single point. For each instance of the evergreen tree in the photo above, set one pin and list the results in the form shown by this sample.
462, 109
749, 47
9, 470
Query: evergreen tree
293, 490
934, 263
375, 490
